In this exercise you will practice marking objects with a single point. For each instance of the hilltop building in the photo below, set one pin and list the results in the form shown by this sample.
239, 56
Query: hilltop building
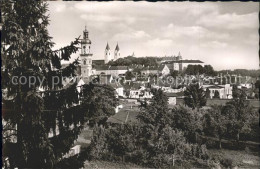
176, 63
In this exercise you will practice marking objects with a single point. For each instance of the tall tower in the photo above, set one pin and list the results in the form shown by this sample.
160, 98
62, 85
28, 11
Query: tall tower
180, 61
179, 56
108, 55
86, 55
117, 52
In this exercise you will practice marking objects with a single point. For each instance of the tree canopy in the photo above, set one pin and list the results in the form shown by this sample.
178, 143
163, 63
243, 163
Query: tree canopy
194, 96
130, 60
40, 104
198, 69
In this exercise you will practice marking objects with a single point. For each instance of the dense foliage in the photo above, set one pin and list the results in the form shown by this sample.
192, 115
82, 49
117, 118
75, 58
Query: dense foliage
130, 60
194, 96
198, 69
242, 72
37, 108
153, 142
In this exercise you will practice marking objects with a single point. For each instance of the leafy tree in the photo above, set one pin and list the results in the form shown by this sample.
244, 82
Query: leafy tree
156, 112
216, 94
208, 70
129, 75
242, 72
235, 91
130, 60
215, 123
174, 73
257, 84
194, 96
198, 69
188, 121
238, 112
98, 103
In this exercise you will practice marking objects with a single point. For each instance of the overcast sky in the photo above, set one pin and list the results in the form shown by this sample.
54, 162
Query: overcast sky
223, 34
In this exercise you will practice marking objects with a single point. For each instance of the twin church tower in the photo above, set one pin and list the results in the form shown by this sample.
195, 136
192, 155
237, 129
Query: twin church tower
86, 55
108, 55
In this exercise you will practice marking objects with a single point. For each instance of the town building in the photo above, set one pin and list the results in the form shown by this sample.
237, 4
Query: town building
111, 70
164, 70
176, 63
225, 91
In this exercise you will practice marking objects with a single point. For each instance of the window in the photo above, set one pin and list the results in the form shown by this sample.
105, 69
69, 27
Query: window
84, 62
84, 49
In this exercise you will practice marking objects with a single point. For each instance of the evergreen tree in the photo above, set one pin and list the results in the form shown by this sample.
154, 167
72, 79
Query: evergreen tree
27, 55
194, 96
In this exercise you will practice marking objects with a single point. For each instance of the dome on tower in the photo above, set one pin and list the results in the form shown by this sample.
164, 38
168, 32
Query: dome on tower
85, 39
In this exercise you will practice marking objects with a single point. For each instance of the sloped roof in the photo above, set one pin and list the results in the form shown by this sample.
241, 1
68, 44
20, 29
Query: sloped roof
215, 87
118, 68
191, 61
170, 66
174, 94
115, 85
161, 67
150, 68
107, 47
136, 86
117, 47
173, 58
98, 62
103, 67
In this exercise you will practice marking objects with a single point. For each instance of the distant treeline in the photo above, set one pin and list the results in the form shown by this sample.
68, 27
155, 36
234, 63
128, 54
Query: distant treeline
242, 72
130, 60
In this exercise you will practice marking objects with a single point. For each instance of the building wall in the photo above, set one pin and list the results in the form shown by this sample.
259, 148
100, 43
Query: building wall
108, 56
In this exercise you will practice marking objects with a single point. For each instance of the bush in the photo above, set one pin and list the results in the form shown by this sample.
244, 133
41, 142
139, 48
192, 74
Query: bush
227, 162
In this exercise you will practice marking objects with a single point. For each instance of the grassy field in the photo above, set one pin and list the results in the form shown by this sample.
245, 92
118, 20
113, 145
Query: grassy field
97, 164
121, 116
243, 159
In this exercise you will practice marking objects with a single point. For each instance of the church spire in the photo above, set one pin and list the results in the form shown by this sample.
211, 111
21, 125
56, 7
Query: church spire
107, 47
117, 47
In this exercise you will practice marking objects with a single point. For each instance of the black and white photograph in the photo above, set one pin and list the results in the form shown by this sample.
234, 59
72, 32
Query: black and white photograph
130, 84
